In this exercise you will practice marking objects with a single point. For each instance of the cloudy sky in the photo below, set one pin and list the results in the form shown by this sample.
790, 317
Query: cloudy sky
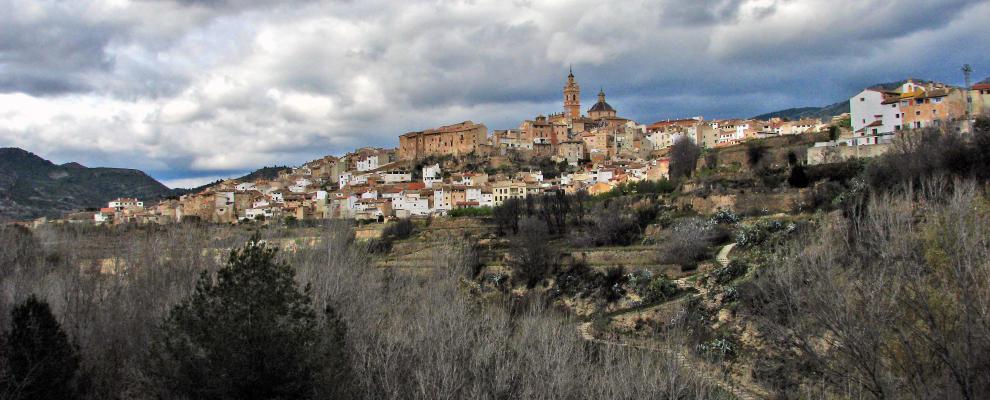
189, 90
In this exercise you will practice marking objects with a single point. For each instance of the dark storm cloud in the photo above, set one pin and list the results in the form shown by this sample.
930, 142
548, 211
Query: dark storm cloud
52, 53
196, 89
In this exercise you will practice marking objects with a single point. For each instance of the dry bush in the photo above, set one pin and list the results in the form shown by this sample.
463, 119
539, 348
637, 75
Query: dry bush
892, 302
411, 334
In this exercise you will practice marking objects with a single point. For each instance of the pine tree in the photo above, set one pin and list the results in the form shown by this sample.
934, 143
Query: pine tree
41, 363
250, 333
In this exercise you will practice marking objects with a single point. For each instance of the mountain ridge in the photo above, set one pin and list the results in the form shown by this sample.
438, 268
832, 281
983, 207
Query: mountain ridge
32, 187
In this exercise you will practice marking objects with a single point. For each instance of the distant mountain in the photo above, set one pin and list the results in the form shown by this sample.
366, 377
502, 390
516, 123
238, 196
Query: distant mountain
825, 113
822, 113
261, 173
32, 187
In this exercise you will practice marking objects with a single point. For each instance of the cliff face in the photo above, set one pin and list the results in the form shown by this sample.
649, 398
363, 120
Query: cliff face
32, 187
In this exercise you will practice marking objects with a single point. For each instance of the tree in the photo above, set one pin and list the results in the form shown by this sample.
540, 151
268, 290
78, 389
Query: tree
833, 133
683, 158
798, 178
756, 151
507, 216
41, 362
532, 258
249, 333
554, 208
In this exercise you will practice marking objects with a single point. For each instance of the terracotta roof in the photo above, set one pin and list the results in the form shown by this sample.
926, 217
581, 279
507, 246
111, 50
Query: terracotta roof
981, 86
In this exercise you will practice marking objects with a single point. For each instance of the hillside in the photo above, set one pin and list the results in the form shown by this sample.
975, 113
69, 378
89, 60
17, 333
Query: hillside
258, 174
823, 113
32, 187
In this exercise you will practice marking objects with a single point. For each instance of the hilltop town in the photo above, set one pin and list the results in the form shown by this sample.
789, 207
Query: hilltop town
467, 168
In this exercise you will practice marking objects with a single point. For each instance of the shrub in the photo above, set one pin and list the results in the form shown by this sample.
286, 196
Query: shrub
720, 348
399, 230
659, 289
612, 282
763, 232
470, 212
724, 216
726, 274
686, 243
756, 151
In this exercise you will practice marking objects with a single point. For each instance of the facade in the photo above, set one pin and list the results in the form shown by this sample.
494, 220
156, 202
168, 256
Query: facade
504, 190
877, 112
931, 105
457, 139
979, 99
571, 151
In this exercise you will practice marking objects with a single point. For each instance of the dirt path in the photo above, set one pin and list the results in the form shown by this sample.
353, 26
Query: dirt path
705, 370
723, 254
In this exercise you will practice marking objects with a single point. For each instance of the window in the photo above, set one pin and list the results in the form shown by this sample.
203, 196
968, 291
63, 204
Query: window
897, 115
917, 112
862, 99
897, 127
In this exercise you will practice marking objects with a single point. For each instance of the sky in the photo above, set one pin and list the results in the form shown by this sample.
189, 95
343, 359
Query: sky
190, 91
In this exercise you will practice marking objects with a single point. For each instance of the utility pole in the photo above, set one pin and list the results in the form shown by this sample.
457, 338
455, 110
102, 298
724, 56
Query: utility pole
967, 72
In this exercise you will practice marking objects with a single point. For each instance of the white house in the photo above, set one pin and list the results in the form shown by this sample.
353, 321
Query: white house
432, 174
244, 186
601, 175
486, 200
368, 163
254, 213
122, 203
396, 177
870, 114
344, 179
410, 204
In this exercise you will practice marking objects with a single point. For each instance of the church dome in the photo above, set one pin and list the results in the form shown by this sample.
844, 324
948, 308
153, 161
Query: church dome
601, 106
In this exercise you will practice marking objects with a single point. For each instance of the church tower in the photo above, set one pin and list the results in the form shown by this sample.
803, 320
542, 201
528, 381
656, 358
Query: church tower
572, 98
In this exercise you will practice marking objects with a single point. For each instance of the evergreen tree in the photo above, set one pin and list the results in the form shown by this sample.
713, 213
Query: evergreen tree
250, 333
41, 363
798, 178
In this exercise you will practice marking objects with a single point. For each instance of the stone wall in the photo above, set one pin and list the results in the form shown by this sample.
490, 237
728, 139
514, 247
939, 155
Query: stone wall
833, 154
773, 202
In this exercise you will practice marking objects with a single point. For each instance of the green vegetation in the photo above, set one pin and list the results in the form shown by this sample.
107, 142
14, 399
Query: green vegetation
470, 212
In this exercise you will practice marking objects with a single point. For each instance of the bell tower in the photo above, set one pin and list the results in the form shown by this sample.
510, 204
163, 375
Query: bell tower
572, 97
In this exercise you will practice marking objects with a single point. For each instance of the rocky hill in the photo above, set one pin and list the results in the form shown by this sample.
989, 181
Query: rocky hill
32, 187
258, 174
